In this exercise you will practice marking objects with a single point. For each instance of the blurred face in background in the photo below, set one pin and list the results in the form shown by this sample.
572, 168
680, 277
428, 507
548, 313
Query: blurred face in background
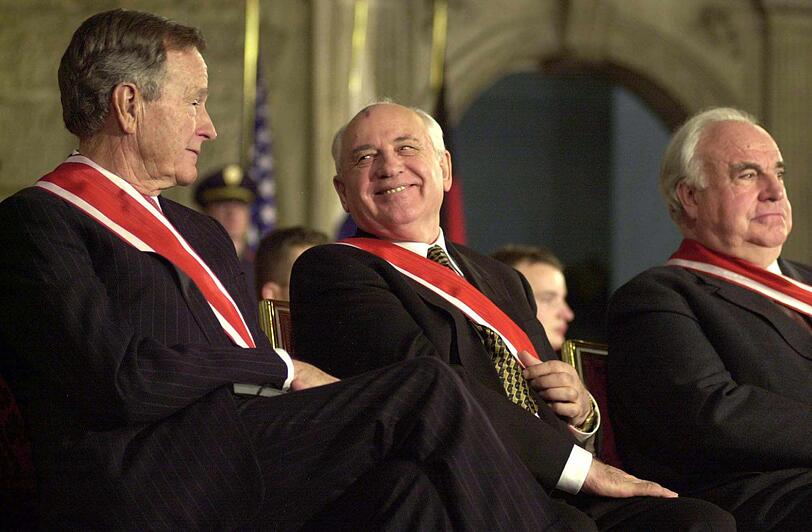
235, 216
550, 290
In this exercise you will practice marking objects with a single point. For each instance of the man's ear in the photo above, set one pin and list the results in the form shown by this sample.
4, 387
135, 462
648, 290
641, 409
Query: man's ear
341, 191
688, 199
124, 103
271, 290
445, 166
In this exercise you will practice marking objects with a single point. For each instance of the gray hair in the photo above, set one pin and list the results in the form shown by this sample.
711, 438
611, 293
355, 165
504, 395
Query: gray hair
433, 128
680, 163
114, 47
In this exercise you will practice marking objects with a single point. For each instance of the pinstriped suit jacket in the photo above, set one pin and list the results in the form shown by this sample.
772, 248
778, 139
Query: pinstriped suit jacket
124, 373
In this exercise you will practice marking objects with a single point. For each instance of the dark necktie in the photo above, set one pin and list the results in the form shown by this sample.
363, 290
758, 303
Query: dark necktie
507, 367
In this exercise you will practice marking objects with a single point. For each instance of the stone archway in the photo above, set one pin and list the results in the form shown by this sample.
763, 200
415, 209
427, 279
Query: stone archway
668, 64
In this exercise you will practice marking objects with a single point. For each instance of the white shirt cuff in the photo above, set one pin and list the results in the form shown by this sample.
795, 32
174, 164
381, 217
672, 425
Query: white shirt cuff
289, 363
575, 470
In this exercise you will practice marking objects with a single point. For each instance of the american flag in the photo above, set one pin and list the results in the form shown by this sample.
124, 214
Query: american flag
263, 212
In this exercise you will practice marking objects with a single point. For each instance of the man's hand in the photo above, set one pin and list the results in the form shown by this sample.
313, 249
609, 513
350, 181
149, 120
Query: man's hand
309, 376
609, 481
560, 386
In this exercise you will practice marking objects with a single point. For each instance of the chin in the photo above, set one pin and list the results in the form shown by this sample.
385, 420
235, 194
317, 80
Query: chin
186, 179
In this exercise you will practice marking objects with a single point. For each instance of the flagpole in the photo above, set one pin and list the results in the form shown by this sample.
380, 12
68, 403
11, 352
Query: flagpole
249, 82
359, 38
438, 45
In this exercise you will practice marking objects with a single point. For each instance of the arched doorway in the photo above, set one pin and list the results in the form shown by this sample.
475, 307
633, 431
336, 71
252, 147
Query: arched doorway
568, 159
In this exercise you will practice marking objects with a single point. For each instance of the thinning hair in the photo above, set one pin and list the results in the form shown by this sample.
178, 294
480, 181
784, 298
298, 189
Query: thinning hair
113, 47
515, 254
680, 163
433, 128
272, 261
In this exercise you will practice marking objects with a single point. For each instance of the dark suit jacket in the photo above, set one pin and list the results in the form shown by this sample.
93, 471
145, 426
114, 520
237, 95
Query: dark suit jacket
353, 312
124, 373
707, 379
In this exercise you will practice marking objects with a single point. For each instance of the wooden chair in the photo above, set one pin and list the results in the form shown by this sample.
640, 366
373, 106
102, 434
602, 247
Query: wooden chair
590, 361
274, 319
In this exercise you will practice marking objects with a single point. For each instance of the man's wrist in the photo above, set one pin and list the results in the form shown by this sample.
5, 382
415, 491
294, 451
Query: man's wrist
588, 424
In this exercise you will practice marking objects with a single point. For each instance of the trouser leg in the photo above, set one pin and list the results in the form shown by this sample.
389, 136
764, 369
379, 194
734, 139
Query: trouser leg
775, 500
682, 514
395, 496
314, 444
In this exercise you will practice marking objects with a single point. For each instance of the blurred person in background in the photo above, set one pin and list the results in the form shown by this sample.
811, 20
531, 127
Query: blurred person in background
276, 253
545, 273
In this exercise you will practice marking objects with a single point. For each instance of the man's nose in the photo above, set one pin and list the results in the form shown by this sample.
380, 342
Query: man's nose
206, 126
567, 313
772, 188
388, 164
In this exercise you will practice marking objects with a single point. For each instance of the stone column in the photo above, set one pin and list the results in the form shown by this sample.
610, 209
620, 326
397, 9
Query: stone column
788, 105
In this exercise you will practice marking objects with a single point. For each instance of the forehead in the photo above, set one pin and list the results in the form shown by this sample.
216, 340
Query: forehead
383, 123
731, 142
542, 276
186, 67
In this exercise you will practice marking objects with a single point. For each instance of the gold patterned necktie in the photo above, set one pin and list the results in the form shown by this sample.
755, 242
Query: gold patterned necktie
507, 367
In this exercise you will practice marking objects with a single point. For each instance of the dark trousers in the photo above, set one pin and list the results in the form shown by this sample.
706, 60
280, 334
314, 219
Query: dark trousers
773, 500
400, 448
682, 514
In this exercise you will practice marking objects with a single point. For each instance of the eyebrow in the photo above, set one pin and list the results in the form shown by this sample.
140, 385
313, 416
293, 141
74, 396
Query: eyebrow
367, 147
202, 92
747, 165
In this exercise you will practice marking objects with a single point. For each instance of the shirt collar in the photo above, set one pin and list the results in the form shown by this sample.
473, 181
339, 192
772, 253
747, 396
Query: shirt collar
422, 249
774, 268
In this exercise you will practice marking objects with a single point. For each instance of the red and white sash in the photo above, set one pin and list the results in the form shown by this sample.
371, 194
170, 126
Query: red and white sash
780, 288
451, 287
116, 205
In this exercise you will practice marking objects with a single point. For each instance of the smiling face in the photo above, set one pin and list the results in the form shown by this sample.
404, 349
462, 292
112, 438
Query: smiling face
391, 179
173, 127
550, 290
743, 211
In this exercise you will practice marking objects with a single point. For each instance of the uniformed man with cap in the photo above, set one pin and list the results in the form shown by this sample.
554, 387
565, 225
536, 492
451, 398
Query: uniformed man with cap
226, 195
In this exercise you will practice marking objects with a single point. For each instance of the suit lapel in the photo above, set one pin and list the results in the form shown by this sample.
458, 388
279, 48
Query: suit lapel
493, 287
197, 304
469, 347
794, 333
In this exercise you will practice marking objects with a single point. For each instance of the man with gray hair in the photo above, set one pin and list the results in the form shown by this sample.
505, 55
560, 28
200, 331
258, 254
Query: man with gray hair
399, 290
130, 340
710, 363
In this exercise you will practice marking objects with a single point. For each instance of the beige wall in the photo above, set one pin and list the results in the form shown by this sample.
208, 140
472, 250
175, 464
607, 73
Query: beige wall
680, 55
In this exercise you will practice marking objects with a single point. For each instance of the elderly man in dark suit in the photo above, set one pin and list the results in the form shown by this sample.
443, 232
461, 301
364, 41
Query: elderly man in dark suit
710, 365
400, 291
131, 341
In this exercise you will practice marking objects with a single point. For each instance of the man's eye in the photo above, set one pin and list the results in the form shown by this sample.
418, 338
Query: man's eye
748, 175
364, 158
408, 149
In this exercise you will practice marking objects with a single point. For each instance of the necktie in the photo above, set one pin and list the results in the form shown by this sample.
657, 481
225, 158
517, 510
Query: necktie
507, 367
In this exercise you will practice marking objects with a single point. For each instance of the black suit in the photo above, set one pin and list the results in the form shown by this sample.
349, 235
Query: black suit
124, 375
710, 383
353, 312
